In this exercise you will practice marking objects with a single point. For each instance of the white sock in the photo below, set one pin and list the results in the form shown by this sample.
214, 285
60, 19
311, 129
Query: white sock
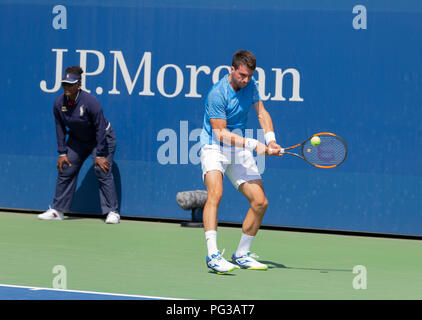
244, 245
211, 238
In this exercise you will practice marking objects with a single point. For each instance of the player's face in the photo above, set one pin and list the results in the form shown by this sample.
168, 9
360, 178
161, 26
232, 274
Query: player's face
241, 76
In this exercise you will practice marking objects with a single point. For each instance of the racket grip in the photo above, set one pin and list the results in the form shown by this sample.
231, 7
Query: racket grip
281, 151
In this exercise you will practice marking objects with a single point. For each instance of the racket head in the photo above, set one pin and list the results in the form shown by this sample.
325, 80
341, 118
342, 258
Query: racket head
330, 153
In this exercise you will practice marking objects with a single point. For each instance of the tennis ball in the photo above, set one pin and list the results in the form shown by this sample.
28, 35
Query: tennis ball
315, 141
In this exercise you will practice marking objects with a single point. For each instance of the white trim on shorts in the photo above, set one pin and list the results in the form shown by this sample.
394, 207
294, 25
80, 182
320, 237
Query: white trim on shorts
238, 164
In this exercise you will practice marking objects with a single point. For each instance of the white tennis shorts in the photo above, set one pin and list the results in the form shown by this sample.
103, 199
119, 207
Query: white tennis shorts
237, 163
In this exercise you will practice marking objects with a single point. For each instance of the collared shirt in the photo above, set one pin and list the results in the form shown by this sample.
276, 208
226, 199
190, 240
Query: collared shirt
223, 102
82, 120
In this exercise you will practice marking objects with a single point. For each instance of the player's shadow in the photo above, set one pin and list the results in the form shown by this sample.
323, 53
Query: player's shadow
273, 265
87, 196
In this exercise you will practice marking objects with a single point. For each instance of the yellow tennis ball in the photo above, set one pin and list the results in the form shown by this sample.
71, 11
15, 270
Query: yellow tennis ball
315, 141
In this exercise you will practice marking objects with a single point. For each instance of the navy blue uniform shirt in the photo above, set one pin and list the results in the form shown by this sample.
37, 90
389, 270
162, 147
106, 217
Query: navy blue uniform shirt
83, 120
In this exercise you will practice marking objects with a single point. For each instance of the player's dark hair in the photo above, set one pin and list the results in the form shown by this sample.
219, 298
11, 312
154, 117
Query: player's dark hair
244, 57
74, 70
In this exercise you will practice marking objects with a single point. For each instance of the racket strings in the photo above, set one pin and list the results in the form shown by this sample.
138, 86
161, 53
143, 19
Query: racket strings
331, 151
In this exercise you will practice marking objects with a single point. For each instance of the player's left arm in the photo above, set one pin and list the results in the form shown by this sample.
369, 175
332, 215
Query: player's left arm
266, 123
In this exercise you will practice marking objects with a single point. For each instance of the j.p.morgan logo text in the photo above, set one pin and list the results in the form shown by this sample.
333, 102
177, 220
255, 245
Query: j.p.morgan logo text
184, 78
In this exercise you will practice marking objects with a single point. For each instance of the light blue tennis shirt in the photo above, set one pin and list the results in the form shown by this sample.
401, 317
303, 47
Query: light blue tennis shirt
223, 102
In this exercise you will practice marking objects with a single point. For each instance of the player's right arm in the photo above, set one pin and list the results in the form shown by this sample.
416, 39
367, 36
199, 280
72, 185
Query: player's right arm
219, 127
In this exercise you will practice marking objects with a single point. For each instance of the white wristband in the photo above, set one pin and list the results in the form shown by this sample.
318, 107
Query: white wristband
269, 136
250, 143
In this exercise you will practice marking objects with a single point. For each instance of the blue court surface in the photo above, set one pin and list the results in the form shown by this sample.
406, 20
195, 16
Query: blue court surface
12, 292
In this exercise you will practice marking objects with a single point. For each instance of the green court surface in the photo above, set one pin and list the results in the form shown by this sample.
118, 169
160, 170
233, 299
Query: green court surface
166, 260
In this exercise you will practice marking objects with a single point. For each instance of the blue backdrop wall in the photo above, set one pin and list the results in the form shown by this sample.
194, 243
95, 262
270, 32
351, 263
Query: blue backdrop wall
349, 67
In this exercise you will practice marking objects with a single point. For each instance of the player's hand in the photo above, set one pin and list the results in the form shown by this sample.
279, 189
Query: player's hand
102, 163
61, 161
274, 149
261, 149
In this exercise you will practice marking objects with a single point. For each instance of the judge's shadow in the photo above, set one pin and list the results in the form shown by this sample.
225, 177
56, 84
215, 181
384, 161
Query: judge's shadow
87, 195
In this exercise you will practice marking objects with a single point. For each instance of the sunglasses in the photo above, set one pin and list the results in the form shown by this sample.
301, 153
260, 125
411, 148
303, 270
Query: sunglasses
64, 84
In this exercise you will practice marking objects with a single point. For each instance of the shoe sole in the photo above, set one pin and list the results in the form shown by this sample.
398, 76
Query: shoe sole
222, 272
261, 269
250, 268
50, 218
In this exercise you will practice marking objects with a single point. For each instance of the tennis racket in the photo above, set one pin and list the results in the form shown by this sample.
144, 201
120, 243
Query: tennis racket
330, 153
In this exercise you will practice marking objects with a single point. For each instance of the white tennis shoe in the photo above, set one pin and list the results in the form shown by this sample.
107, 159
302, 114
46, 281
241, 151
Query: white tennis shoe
247, 261
51, 214
112, 218
216, 263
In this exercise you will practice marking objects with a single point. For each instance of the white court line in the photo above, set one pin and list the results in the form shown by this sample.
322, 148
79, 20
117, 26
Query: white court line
89, 292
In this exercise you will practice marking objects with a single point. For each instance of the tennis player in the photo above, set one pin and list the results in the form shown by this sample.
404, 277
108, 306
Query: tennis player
224, 152
79, 116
